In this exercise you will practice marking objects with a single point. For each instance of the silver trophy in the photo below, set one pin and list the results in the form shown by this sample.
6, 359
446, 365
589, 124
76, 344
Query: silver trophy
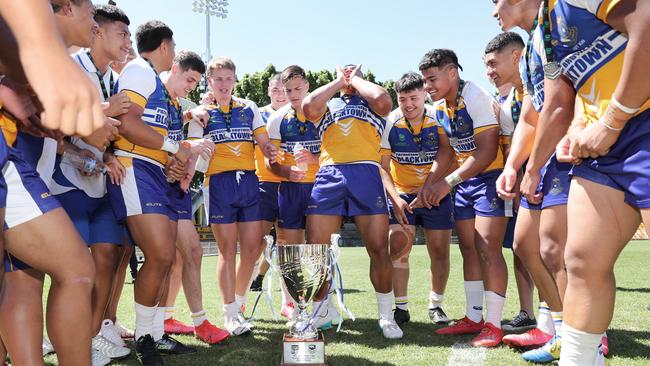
303, 269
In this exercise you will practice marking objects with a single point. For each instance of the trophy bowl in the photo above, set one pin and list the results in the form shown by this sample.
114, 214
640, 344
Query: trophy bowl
303, 269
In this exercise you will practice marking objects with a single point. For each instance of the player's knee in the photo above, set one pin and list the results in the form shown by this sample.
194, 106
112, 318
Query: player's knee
400, 260
552, 257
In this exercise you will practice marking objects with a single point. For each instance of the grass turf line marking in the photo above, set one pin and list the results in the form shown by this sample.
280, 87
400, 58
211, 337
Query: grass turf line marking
463, 354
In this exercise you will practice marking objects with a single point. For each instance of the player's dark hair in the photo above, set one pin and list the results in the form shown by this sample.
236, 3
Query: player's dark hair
293, 71
150, 35
110, 13
504, 40
189, 60
439, 57
408, 82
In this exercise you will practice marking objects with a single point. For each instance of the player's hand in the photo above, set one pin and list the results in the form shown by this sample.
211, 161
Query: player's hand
296, 175
16, 100
400, 207
70, 99
201, 115
529, 185
507, 184
356, 72
184, 153
563, 149
208, 99
118, 104
89, 155
305, 156
594, 141
340, 77
271, 152
102, 138
423, 198
116, 171
439, 191
175, 169
203, 148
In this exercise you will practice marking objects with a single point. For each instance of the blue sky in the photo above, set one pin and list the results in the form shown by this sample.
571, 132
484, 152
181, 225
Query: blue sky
388, 37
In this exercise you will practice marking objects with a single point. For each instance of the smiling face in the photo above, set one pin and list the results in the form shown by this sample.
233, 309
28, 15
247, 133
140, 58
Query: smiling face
296, 90
183, 81
115, 39
499, 67
506, 13
222, 82
411, 103
276, 93
437, 81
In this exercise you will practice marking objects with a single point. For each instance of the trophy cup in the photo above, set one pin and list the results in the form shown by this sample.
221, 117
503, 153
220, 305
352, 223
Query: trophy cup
303, 269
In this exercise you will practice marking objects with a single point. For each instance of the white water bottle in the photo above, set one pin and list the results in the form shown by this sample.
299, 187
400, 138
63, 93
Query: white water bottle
201, 164
84, 163
303, 167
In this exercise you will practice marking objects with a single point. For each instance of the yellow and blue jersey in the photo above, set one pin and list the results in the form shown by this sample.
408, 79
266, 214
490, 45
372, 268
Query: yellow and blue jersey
589, 50
143, 86
410, 162
475, 115
286, 129
234, 148
350, 132
263, 173
8, 126
176, 125
507, 121
531, 68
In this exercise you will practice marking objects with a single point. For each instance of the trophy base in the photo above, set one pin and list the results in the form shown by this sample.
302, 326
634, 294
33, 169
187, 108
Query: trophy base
303, 352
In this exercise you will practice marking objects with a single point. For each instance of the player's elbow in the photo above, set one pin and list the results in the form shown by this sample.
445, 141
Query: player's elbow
382, 103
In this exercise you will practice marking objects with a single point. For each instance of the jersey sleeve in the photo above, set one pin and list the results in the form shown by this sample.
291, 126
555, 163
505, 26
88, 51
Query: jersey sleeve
600, 8
273, 126
385, 148
479, 106
138, 82
258, 121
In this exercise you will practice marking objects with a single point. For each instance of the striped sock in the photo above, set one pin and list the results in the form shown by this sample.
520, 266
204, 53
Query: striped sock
402, 302
199, 317
557, 322
169, 312
545, 320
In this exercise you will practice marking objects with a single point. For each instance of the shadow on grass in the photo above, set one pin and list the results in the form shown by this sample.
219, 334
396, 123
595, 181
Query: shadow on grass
638, 289
627, 343
338, 360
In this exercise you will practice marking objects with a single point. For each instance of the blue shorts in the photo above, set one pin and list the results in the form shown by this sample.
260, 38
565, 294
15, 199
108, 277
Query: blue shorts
509, 237
269, 208
27, 198
93, 217
554, 185
293, 199
232, 197
627, 165
144, 190
348, 190
478, 197
437, 218
181, 203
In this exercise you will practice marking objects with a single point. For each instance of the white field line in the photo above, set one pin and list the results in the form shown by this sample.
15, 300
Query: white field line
463, 354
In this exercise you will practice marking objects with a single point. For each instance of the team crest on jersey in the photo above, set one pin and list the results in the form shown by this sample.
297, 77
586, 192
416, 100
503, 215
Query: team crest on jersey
463, 126
243, 117
380, 202
568, 35
431, 138
402, 138
556, 187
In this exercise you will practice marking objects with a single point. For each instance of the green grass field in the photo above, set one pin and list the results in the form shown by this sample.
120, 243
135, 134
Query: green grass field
360, 343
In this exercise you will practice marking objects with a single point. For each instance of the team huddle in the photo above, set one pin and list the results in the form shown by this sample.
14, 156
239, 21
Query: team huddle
555, 164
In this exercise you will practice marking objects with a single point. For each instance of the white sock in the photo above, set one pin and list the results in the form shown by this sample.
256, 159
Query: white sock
158, 327
474, 300
402, 302
557, 322
143, 320
494, 311
230, 310
435, 300
240, 300
169, 312
199, 317
545, 320
385, 304
578, 348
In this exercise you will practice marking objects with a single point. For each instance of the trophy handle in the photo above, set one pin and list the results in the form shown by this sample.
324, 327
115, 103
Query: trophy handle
335, 249
268, 251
